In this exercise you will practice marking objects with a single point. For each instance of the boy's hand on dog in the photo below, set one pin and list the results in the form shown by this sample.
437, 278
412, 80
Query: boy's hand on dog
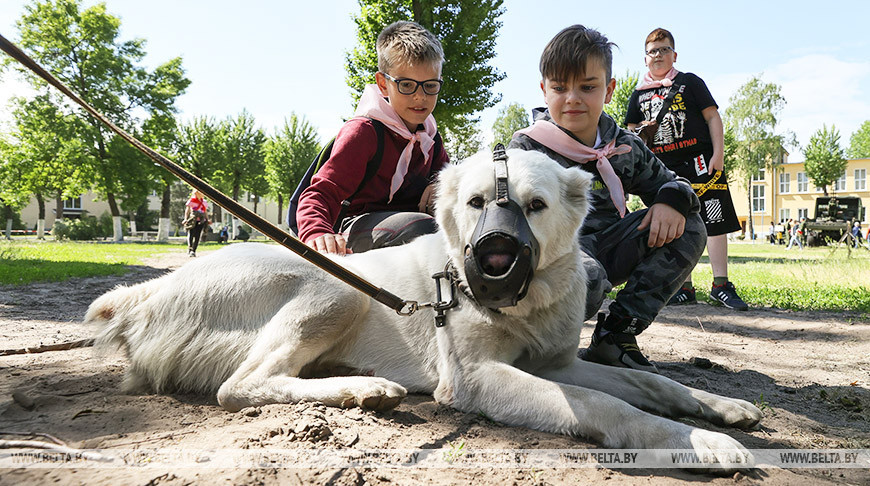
427, 201
330, 243
665, 224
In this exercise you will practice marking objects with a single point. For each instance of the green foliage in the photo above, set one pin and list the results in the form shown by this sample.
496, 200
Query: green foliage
618, 106
859, 143
510, 118
44, 154
86, 227
751, 117
467, 30
241, 166
825, 160
81, 48
463, 140
287, 155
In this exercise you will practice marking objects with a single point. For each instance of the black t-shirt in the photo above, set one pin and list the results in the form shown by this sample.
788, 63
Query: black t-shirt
683, 133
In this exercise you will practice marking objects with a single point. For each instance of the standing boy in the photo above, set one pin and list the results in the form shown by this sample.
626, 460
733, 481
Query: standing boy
651, 250
394, 118
690, 141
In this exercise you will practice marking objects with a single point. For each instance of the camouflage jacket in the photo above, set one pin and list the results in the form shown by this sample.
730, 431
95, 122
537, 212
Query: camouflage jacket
641, 173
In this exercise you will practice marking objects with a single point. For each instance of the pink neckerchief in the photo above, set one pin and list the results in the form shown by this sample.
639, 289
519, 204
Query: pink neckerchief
373, 105
560, 142
667, 81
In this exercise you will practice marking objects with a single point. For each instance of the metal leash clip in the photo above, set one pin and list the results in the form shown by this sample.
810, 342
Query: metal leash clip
440, 306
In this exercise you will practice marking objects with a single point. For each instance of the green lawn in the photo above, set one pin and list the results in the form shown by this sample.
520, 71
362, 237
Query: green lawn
808, 279
765, 275
24, 261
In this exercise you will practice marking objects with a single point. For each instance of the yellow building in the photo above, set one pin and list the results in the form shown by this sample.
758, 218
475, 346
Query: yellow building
787, 193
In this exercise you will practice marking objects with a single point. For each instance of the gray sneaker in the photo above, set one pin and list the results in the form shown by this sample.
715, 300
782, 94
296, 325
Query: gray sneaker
615, 349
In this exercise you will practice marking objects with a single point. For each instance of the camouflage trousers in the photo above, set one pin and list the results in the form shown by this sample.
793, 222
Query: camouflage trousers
619, 254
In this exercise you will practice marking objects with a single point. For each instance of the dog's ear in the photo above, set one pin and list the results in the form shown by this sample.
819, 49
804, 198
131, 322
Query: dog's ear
576, 184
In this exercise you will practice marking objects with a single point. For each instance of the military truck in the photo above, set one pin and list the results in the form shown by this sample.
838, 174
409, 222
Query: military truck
834, 216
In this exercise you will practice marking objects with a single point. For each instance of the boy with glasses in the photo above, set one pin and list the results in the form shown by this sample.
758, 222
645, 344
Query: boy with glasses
690, 141
651, 250
393, 123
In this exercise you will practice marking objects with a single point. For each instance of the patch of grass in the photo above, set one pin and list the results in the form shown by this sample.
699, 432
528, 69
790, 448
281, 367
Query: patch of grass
809, 279
26, 261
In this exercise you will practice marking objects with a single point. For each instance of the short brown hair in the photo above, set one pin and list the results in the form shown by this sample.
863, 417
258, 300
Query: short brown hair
657, 35
566, 55
406, 42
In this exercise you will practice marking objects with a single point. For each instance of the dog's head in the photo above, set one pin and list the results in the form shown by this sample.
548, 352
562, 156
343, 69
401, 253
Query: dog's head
552, 199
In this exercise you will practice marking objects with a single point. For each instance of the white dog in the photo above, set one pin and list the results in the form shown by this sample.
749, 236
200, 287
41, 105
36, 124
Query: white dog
255, 323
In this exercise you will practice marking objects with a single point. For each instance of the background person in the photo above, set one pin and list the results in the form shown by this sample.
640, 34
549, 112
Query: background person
195, 219
690, 142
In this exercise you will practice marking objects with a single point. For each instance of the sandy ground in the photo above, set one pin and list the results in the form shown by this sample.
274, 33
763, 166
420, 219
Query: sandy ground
810, 372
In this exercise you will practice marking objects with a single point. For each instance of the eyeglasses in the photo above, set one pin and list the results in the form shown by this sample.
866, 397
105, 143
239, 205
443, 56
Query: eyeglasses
408, 86
663, 50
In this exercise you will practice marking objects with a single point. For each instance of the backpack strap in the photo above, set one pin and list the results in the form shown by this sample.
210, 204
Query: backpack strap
669, 99
372, 168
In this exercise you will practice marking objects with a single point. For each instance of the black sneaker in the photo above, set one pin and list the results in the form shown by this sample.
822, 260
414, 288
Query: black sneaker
684, 296
615, 349
726, 295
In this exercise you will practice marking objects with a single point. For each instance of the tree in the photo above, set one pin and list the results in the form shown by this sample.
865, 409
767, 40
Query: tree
859, 143
161, 133
825, 160
618, 106
752, 117
49, 154
199, 149
241, 164
81, 48
288, 154
467, 30
510, 118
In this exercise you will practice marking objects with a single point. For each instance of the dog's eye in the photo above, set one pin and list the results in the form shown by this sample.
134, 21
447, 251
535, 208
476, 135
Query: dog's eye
537, 205
476, 202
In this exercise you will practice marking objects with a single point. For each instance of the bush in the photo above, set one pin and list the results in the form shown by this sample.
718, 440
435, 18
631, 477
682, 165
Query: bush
85, 228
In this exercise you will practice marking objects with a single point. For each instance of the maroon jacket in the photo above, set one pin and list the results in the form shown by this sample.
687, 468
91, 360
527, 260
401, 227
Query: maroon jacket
342, 174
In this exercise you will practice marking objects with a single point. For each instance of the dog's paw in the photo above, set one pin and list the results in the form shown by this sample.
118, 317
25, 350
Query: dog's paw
716, 453
729, 412
374, 394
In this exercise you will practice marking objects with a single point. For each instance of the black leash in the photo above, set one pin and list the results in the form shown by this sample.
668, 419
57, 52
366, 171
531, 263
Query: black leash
402, 307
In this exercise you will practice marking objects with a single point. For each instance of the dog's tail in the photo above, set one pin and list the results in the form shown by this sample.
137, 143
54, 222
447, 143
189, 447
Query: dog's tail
112, 313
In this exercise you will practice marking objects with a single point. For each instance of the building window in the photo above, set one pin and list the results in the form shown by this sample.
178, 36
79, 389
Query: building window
840, 184
803, 182
757, 199
758, 176
784, 214
73, 203
860, 179
784, 183
803, 212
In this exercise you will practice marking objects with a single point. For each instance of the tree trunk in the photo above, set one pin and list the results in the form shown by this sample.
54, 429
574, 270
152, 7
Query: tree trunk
58, 208
117, 229
9, 228
40, 221
749, 200
163, 223
280, 210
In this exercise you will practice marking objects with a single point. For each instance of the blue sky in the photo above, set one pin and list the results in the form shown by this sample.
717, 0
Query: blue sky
276, 57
